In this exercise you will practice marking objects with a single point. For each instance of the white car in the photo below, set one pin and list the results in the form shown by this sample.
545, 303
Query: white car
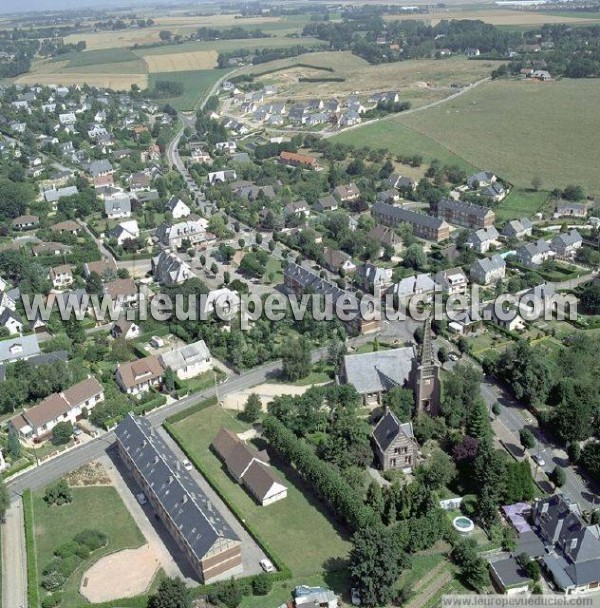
453, 357
267, 565
539, 459
187, 465
141, 498
355, 596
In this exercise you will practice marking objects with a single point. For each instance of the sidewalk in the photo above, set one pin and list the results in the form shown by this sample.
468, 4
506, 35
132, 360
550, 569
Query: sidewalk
14, 558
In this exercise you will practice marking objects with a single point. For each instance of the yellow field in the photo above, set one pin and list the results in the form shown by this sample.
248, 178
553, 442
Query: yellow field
117, 82
490, 15
213, 20
181, 62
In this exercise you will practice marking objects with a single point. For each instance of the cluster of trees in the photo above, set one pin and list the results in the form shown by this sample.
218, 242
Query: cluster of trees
58, 494
164, 89
231, 33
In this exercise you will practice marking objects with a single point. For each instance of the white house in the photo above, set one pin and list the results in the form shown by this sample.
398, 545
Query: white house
488, 270
481, 240
136, 377
177, 208
61, 276
188, 361
11, 320
125, 231
169, 269
117, 206
453, 281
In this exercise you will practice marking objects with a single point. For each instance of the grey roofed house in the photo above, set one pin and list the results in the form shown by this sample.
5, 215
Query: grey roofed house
481, 236
186, 356
395, 180
55, 195
99, 167
575, 209
483, 178
379, 371
495, 190
486, 267
117, 205
518, 228
507, 573
196, 524
566, 240
42, 359
169, 269
372, 276
530, 253
21, 347
414, 285
388, 428
401, 215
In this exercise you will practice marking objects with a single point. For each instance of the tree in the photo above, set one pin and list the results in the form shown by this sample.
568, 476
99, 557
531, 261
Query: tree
527, 439
262, 584
473, 569
214, 268
14, 445
172, 593
574, 452
590, 297
375, 564
438, 471
258, 238
558, 476
536, 182
375, 497
573, 193
169, 380
228, 593
296, 359
442, 354
252, 408
4, 499
58, 494
62, 433
401, 401
415, 257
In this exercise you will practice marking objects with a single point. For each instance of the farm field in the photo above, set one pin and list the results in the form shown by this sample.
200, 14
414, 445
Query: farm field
197, 84
182, 62
98, 508
502, 126
296, 528
117, 82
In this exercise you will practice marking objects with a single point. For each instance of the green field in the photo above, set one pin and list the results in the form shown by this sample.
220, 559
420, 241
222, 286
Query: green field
98, 57
98, 508
197, 84
516, 129
226, 46
401, 140
297, 528
521, 203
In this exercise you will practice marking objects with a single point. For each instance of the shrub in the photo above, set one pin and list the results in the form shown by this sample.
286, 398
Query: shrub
51, 566
92, 539
51, 601
262, 584
66, 549
67, 566
53, 581
58, 494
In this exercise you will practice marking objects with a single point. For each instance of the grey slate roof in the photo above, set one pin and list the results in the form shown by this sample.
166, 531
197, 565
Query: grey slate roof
405, 215
464, 207
186, 355
197, 519
566, 239
489, 264
379, 370
21, 347
510, 572
388, 428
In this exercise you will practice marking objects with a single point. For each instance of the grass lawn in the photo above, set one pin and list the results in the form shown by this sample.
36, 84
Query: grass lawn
197, 84
521, 203
497, 127
297, 528
273, 270
97, 508
488, 340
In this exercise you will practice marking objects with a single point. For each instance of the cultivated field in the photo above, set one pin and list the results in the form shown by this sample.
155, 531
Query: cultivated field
181, 62
117, 82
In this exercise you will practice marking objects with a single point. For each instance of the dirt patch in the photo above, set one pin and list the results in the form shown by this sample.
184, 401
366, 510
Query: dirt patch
126, 573
91, 474
182, 62
266, 392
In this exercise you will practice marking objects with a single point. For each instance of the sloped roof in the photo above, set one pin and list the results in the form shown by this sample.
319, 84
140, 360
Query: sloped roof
388, 428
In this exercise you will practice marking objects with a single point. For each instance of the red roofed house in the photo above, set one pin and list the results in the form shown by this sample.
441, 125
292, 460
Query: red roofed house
298, 160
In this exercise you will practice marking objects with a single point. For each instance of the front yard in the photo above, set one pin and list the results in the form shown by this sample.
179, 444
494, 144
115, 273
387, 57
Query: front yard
297, 529
96, 507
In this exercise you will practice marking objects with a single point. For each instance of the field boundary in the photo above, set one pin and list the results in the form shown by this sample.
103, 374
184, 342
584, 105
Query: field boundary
33, 588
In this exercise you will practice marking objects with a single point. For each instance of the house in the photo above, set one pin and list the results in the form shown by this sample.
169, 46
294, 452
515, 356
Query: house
395, 444
298, 160
541, 75
346, 192
11, 320
249, 467
169, 269
6, 299
67, 119
106, 269
373, 374
300, 207
174, 235
452, 281
507, 318
298, 280
25, 222
373, 279
518, 229
68, 406
424, 226
55, 194
16, 349
226, 146
66, 227
177, 208
481, 240
488, 270
348, 118
128, 330
495, 191
224, 301
50, 248
194, 522
567, 209
226, 175
137, 377
417, 285
122, 291
534, 254
509, 577
397, 181
188, 361
327, 203
61, 276
117, 206
572, 548
566, 244
386, 237
140, 181
481, 180
99, 168
336, 261
388, 196
125, 231
467, 215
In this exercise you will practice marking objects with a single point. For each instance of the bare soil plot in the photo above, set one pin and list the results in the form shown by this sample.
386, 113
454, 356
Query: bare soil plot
119, 38
117, 82
266, 392
181, 62
90, 474
126, 573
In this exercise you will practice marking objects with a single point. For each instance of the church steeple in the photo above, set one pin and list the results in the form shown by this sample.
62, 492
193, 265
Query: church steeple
428, 376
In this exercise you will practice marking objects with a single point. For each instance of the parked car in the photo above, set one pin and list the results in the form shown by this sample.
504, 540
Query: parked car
539, 459
453, 357
355, 596
141, 498
187, 465
77, 431
267, 565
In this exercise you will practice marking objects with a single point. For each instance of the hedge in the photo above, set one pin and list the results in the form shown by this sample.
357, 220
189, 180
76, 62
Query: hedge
283, 572
324, 79
194, 409
33, 587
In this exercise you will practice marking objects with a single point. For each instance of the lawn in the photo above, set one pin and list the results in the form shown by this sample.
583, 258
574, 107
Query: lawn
98, 508
501, 126
197, 84
488, 340
521, 203
297, 528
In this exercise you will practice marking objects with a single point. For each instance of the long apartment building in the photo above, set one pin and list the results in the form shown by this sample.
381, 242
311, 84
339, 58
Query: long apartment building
467, 215
424, 226
200, 531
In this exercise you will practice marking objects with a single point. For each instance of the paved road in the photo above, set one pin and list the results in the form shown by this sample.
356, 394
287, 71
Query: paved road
14, 563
